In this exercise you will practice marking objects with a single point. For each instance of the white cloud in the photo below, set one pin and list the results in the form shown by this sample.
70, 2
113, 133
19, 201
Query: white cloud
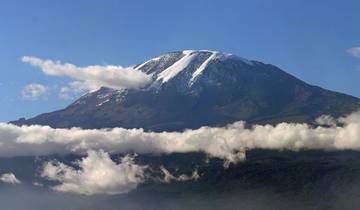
37, 184
97, 174
34, 92
355, 51
326, 120
90, 78
168, 177
228, 142
9, 178
73, 90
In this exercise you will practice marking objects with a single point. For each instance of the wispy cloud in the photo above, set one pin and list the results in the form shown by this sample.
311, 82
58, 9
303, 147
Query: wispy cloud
90, 78
34, 92
73, 90
168, 177
355, 51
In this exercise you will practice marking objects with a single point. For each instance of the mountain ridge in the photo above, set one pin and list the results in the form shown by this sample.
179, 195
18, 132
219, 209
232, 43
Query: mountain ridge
195, 88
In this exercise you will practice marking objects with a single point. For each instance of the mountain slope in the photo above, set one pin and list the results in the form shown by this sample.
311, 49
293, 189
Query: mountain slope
190, 89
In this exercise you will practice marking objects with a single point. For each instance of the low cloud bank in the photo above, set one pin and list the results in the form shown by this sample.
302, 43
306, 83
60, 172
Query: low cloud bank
97, 174
228, 142
90, 78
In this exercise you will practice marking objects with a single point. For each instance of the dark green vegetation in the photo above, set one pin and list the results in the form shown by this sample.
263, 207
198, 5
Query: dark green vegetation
229, 89
266, 180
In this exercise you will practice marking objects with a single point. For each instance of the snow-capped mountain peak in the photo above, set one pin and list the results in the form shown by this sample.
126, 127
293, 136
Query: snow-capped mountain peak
195, 88
187, 64
177, 67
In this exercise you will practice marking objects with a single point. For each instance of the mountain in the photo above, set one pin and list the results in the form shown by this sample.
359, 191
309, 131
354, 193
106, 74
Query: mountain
190, 89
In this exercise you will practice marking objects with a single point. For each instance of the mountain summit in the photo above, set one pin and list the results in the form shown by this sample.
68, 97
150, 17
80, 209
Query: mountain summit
190, 89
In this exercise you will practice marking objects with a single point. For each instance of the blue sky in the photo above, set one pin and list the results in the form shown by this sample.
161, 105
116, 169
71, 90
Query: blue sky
308, 39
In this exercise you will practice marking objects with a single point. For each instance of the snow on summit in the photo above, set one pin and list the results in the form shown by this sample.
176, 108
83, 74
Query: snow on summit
142, 65
177, 67
202, 67
168, 66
